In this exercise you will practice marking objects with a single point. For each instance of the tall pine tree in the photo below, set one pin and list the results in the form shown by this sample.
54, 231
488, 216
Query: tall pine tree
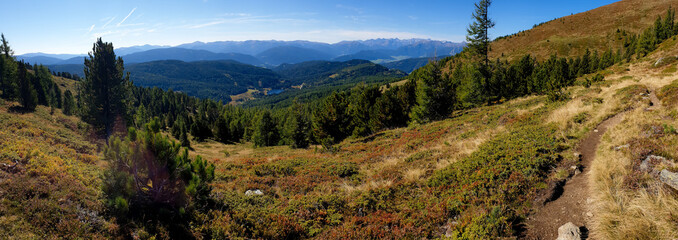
297, 127
265, 131
436, 95
28, 96
69, 103
104, 89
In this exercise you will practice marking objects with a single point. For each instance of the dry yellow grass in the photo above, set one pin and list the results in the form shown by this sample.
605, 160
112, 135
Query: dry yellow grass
620, 212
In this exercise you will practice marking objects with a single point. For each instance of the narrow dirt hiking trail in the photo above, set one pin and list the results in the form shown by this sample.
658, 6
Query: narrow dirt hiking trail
572, 205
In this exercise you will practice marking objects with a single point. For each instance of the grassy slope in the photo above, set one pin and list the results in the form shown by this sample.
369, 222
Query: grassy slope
629, 203
406, 182
569, 36
53, 190
427, 180
384, 175
401, 182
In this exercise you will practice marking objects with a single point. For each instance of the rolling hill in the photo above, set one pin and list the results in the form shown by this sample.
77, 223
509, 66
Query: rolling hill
410, 64
572, 35
206, 79
222, 78
312, 80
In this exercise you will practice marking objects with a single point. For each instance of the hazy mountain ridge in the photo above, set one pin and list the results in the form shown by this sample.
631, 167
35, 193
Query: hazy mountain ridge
271, 52
188, 55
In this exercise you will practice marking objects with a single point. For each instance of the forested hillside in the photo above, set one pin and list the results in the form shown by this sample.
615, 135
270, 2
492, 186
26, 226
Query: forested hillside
220, 80
471, 146
206, 79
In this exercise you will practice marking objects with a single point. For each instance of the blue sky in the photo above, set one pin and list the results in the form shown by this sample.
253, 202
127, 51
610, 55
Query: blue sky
71, 26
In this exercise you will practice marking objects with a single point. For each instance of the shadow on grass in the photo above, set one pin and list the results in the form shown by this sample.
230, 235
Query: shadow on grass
19, 110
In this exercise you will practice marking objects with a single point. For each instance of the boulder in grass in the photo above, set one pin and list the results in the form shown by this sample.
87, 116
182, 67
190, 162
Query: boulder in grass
256, 192
669, 178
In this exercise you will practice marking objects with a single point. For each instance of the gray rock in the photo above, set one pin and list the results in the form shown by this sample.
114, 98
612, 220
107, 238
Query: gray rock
569, 231
664, 61
670, 178
618, 148
651, 161
256, 192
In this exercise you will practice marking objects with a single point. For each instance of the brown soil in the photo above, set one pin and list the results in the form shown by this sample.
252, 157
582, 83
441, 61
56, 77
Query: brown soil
655, 102
572, 205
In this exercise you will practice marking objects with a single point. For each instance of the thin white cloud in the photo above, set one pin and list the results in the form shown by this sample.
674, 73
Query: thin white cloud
361, 35
235, 15
123, 20
320, 35
109, 21
247, 19
212, 23
91, 28
355, 9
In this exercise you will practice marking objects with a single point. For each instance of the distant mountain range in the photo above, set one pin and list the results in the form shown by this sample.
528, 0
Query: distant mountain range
218, 70
271, 53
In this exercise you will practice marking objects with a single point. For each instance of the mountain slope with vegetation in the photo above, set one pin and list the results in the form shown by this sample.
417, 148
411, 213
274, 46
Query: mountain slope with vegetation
50, 177
469, 147
594, 30
208, 79
310, 81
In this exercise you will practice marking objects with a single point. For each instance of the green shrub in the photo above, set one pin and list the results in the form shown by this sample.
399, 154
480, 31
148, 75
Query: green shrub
420, 155
277, 169
150, 178
344, 169
581, 118
503, 172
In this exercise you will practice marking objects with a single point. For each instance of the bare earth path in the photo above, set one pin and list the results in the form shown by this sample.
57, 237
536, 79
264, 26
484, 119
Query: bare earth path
571, 206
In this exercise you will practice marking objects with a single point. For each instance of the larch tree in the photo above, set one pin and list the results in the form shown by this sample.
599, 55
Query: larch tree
478, 39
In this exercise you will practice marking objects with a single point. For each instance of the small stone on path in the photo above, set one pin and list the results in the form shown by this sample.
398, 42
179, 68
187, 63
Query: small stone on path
569, 231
